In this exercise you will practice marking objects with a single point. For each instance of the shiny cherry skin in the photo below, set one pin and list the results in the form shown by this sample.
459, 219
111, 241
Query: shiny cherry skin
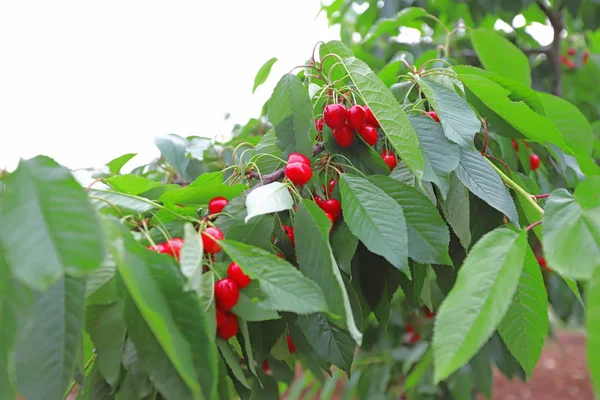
173, 247
298, 173
227, 294
319, 200
571, 51
235, 273
221, 317
357, 116
289, 232
298, 158
331, 186
217, 205
333, 207
371, 120
229, 328
369, 134
209, 237
433, 115
534, 162
290, 344
515, 145
344, 136
159, 248
335, 116
428, 313
266, 367
319, 123
389, 159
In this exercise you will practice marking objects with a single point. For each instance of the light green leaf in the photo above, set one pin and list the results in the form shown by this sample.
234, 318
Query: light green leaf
201, 194
316, 260
131, 184
499, 55
376, 219
263, 73
267, 199
118, 203
173, 149
525, 326
46, 355
290, 113
48, 225
571, 239
209, 179
391, 25
593, 329
106, 327
388, 112
253, 311
428, 235
479, 299
329, 342
191, 253
114, 166
478, 175
457, 212
459, 122
285, 287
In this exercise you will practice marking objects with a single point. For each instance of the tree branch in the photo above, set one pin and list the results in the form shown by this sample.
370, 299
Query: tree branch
280, 173
556, 20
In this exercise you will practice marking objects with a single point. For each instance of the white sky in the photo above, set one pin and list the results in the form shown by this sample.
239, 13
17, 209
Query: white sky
86, 81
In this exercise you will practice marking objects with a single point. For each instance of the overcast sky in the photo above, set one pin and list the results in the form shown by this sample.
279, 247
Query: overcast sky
86, 81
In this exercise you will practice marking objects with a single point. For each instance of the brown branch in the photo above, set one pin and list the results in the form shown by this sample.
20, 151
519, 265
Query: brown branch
280, 173
556, 20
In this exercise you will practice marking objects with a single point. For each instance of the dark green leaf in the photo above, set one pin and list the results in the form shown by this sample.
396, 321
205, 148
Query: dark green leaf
173, 149
48, 225
343, 245
456, 210
117, 203
266, 154
232, 361
361, 155
290, 112
376, 219
263, 73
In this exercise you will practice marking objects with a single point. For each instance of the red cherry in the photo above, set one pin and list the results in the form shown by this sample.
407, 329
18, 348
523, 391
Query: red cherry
357, 116
173, 247
239, 277
227, 294
335, 116
343, 136
566, 62
333, 207
298, 158
298, 173
319, 123
331, 185
534, 162
217, 205
209, 243
371, 120
369, 134
319, 201
229, 328
571, 51
159, 248
433, 115
291, 345
289, 232
389, 159
428, 313
515, 144
266, 367
280, 256
221, 317
408, 327
411, 337
331, 219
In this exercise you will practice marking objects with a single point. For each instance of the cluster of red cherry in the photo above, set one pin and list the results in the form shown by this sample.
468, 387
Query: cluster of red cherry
171, 247
567, 61
534, 159
411, 336
227, 294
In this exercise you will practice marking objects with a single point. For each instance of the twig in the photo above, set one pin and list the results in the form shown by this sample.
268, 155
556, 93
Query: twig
556, 20
530, 227
541, 196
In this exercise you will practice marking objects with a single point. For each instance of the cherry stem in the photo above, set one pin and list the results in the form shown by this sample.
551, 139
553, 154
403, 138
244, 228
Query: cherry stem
541, 196
505, 165
485, 138
93, 183
530, 227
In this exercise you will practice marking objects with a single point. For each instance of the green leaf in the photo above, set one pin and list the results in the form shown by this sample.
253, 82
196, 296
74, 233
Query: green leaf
209, 179
106, 327
201, 194
329, 342
131, 184
499, 55
593, 329
117, 203
571, 239
266, 153
391, 25
232, 362
532, 213
263, 73
525, 326
243, 326
343, 244
510, 106
164, 318
475, 172
48, 225
428, 235
388, 112
290, 113
268, 199
285, 287
440, 154
251, 311
114, 166
173, 149
376, 219
46, 355
478, 301
456, 210
316, 260
191, 252
459, 122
